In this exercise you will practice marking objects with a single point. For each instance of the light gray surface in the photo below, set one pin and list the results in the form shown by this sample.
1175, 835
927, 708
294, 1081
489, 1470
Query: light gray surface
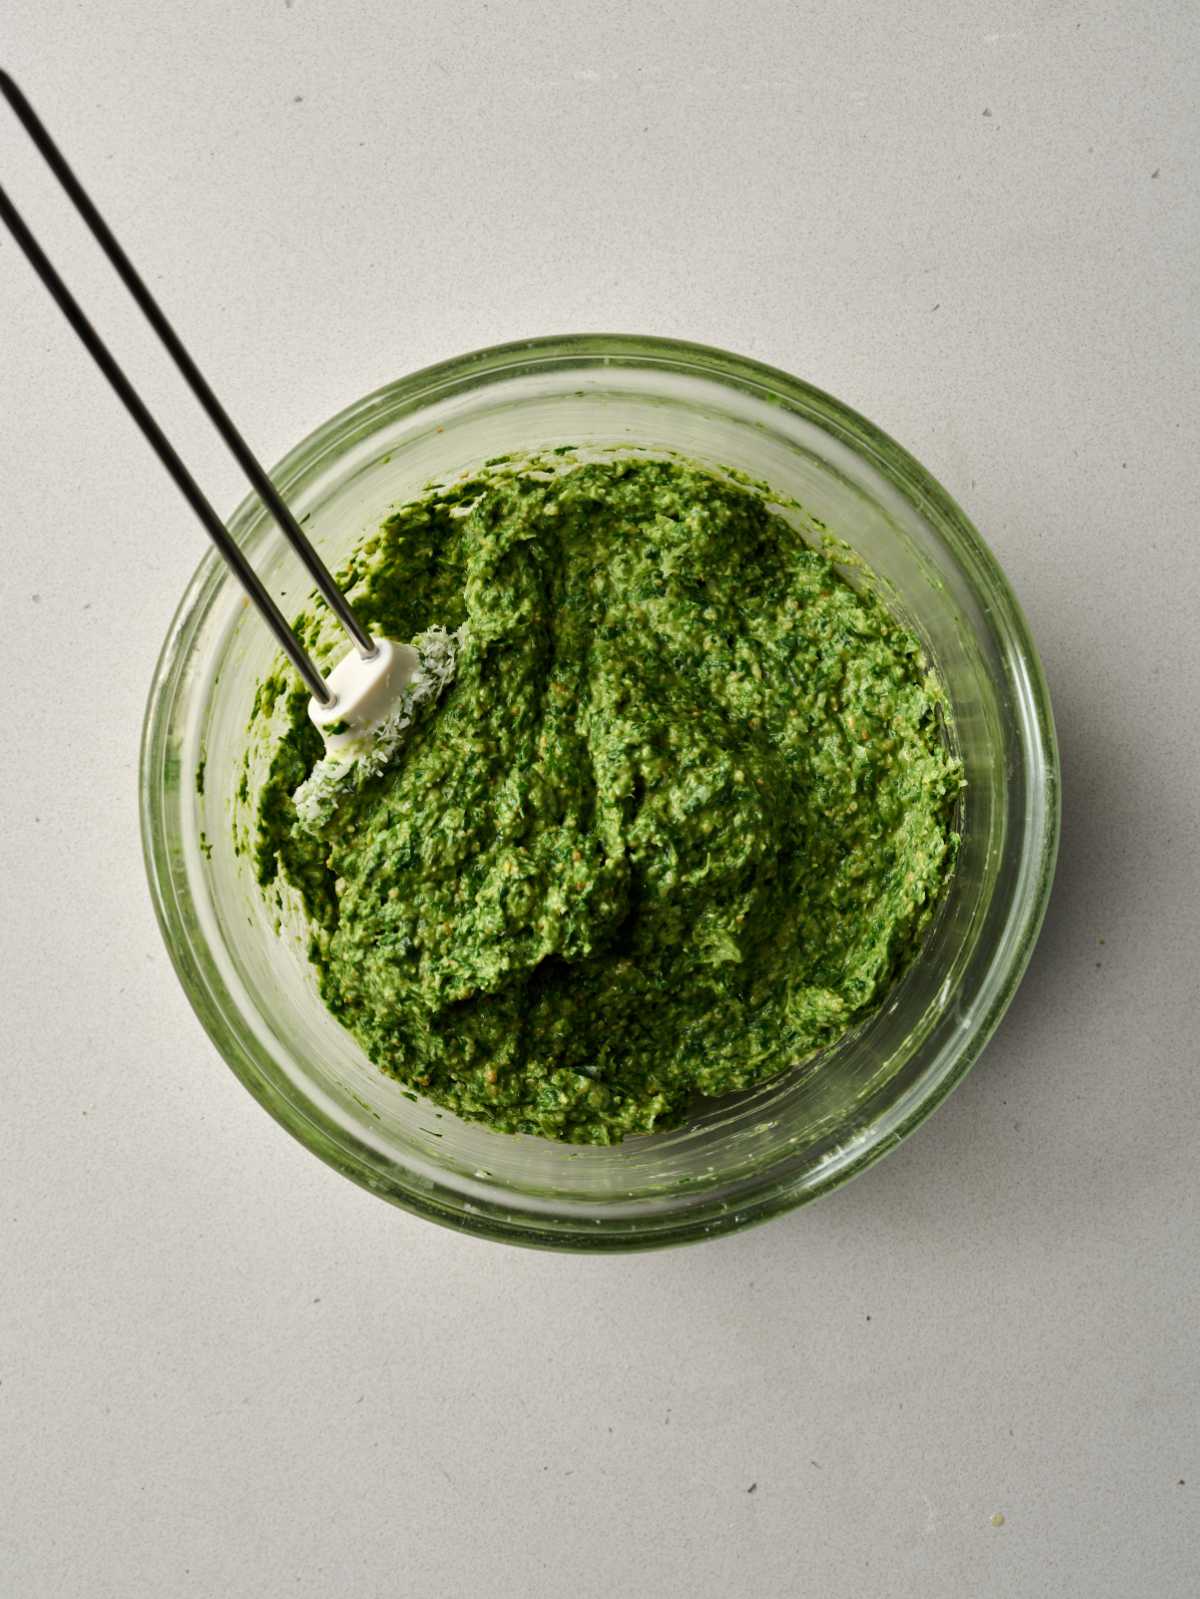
223, 1369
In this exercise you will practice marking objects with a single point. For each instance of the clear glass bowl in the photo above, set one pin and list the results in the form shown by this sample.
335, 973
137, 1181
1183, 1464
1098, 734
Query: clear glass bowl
758, 1153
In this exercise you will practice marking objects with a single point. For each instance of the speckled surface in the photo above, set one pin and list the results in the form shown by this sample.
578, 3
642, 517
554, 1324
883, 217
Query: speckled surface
225, 1370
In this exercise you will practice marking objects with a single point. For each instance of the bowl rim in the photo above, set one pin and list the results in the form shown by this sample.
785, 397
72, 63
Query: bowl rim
904, 473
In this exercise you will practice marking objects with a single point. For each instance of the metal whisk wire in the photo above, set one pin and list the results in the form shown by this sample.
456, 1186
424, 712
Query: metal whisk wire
199, 386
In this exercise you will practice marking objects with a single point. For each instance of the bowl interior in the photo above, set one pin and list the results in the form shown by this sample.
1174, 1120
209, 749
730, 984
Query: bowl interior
242, 955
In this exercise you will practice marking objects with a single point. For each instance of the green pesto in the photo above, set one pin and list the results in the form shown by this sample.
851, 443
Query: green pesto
678, 823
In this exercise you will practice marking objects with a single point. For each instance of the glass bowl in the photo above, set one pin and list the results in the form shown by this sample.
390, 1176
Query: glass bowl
757, 1153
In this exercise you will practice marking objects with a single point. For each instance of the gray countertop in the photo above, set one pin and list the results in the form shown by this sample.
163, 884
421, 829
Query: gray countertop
226, 1371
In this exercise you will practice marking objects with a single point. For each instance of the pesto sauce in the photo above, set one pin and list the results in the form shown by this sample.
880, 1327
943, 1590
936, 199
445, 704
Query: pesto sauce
678, 823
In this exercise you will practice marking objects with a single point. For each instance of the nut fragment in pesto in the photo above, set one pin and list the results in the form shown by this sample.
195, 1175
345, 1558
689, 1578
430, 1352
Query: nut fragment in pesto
678, 823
